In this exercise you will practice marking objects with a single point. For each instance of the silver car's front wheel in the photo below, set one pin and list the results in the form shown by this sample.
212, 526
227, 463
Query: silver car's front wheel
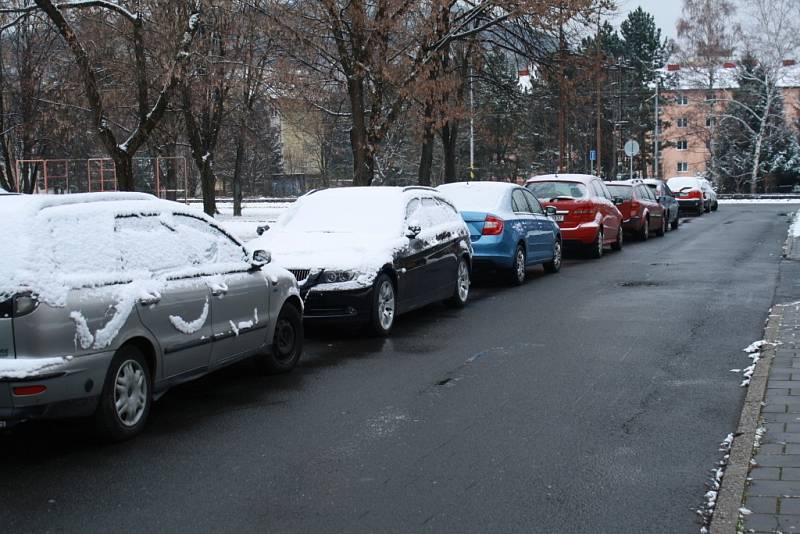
130, 393
459, 299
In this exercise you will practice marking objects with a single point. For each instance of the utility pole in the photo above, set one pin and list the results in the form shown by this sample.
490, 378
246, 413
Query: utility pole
599, 67
562, 103
656, 139
471, 126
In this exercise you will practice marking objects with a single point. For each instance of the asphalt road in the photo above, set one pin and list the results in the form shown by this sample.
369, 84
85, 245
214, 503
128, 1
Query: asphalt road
593, 400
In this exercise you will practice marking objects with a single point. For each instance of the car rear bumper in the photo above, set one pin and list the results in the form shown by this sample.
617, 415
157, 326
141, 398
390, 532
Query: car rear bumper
338, 306
493, 252
72, 390
634, 224
691, 204
583, 234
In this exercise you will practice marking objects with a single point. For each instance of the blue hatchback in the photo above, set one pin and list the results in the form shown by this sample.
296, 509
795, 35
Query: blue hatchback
509, 229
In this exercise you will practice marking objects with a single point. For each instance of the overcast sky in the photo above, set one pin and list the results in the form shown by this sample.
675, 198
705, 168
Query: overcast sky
666, 13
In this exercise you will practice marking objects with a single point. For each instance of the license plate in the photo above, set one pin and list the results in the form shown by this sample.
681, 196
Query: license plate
558, 218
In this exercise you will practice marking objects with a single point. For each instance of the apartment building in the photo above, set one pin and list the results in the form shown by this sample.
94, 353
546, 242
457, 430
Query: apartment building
691, 106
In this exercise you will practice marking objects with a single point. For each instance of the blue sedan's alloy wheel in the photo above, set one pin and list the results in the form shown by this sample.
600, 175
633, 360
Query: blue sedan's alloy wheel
555, 265
518, 270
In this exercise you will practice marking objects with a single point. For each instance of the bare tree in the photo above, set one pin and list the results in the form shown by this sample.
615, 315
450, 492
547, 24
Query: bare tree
183, 22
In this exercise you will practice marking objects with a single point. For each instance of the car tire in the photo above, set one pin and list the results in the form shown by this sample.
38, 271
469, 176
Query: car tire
700, 210
518, 267
617, 246
384, 306
663, 228
461, 294
558, 253
644, 231
674, 224
126, 397
596, 248
715, 206
287, 342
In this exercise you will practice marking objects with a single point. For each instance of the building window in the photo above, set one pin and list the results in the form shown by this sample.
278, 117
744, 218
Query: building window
710, 121
709, 97
683, 166
683, 144
683, 100
683, 122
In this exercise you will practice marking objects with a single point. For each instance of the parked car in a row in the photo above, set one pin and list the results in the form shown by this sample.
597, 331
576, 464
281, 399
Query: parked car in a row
694, 194
586, 211
367, 254
509, 229
109, 299
642, 212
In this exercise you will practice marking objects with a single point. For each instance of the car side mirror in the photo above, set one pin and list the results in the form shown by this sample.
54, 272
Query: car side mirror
550, 211
262, 228
260, 258
413, 231
618, 201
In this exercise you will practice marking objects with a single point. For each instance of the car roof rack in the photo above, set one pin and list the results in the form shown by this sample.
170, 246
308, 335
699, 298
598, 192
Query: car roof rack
414, 187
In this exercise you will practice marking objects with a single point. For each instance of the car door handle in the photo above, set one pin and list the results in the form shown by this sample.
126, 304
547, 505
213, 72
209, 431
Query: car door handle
149, 300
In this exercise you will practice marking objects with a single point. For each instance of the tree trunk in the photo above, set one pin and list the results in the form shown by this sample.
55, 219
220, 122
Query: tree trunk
237, 176
428, 142
449, 135
123, 165
363, 160
208, 184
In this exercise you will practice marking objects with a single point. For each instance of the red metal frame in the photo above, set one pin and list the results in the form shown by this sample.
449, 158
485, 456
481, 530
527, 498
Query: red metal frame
102, 169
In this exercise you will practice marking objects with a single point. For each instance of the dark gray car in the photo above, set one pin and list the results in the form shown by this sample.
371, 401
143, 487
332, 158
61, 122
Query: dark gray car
107, 300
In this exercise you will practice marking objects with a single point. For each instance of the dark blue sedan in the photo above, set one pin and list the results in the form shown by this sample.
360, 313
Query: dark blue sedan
509, 229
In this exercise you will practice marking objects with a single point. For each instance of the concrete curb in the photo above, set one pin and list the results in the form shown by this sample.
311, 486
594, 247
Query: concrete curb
729, 499
791, 251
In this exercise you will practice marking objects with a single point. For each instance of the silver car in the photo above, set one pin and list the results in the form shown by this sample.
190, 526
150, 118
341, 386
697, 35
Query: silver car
109, 299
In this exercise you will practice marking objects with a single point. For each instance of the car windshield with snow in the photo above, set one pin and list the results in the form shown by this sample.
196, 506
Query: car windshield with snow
509, 229
367, 254
107, 300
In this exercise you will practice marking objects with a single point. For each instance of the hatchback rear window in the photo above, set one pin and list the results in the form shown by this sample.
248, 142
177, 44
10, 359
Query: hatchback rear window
623, 191
546, 191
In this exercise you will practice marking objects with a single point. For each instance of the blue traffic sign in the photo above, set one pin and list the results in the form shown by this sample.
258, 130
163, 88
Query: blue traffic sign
593, 155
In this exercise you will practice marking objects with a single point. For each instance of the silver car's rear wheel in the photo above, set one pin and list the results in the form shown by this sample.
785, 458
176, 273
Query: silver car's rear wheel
461, 295
130, 393
126, 395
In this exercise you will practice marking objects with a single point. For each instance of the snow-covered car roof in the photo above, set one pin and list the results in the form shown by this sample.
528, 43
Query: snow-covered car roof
40, 228
582, 178
476, 196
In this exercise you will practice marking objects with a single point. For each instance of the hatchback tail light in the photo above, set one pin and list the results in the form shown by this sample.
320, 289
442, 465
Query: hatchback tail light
694, 193
493, 225
583, 215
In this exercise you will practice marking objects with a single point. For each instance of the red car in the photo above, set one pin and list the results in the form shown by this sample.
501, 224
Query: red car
641, 211
585, 210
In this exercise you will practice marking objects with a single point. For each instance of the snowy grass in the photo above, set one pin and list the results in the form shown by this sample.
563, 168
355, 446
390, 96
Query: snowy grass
254, 214
759, 201
794, 230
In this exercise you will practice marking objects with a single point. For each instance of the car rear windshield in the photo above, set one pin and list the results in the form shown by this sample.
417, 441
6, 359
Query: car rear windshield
677, 184
475, 196
623, 191
545, 191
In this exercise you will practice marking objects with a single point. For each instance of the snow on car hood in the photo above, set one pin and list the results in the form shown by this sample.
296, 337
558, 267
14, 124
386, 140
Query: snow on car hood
363, 254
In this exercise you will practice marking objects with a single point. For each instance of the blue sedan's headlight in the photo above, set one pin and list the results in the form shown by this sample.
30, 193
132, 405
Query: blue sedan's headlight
332, 277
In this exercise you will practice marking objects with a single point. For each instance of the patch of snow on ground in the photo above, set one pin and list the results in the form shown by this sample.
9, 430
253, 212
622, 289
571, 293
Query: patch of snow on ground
753, 353
759, 201
25, 367
189, 328
794, 230
714, 483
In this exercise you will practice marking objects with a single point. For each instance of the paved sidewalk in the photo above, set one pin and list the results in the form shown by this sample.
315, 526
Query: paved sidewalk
772, 494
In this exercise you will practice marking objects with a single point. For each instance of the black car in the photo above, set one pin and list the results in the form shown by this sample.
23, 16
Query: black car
367, 254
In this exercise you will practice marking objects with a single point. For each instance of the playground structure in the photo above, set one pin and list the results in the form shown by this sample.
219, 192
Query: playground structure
165, 177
